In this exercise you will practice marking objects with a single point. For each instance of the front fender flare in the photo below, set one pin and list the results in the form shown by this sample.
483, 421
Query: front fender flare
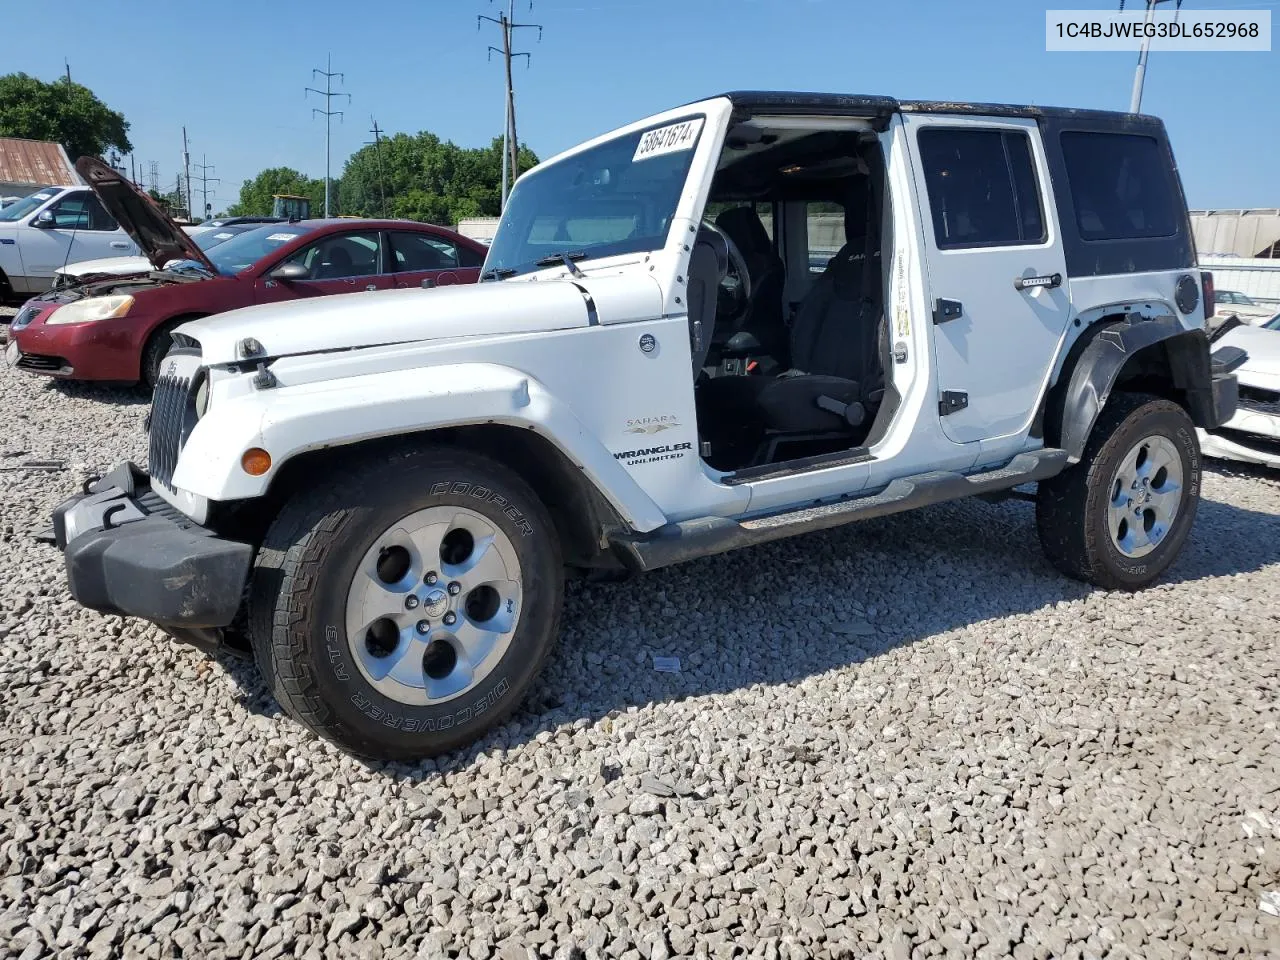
1094, 374
289, 420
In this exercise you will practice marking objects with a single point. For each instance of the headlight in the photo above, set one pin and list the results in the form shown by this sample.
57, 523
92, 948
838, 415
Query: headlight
94, 308
202, 396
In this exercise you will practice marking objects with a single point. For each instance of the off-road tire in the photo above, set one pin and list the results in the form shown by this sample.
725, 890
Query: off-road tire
303, 570
1071, 508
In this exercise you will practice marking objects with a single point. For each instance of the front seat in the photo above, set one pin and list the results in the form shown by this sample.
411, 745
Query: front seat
708, 264
337, 264
764, 318
836, 377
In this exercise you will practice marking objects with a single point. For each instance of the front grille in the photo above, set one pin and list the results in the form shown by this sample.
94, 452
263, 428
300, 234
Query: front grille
1259, 400
169, 405
41, 363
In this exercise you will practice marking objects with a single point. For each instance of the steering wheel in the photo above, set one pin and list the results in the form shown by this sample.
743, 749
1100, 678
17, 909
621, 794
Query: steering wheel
734, 293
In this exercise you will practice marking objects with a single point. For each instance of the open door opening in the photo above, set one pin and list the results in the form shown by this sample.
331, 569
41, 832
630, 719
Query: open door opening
795, 370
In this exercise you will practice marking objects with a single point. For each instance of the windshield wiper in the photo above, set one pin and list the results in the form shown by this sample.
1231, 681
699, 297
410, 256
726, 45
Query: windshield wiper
498, 273
567, 257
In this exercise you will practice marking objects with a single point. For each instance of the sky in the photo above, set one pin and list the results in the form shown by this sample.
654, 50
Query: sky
234, 72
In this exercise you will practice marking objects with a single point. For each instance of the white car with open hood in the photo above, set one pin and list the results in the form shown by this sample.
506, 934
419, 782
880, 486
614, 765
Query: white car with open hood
1253, 434
380, 495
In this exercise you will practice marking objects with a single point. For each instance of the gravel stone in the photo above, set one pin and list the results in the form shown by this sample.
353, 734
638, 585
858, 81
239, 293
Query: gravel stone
907, 738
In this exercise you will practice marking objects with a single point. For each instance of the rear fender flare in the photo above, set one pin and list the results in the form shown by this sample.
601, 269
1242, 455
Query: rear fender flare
1091, 379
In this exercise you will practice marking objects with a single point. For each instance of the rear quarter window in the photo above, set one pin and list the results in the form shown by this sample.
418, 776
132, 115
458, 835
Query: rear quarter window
1121, 186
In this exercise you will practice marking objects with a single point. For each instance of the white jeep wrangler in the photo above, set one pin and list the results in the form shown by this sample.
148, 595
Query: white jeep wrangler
754, 316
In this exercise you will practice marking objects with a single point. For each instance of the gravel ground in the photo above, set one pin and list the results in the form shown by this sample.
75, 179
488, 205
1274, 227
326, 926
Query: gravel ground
905, 738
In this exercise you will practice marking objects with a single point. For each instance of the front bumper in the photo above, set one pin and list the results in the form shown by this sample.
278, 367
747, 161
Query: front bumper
106, 350
128, 552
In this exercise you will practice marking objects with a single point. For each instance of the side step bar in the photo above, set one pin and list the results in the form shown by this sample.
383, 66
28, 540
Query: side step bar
677, 542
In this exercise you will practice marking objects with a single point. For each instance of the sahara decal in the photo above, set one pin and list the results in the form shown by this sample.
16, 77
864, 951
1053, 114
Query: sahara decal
651, 424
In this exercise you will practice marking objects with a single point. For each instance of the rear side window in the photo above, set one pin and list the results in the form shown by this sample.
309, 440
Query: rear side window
1120, 186
982, 188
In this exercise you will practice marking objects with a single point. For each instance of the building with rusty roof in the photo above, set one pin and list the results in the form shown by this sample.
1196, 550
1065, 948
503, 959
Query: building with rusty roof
27, 164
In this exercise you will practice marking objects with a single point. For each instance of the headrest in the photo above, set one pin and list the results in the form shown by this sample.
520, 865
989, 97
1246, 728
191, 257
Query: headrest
745, 230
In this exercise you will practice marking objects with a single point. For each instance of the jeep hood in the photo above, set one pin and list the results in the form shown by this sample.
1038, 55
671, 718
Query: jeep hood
353, 321
156, 235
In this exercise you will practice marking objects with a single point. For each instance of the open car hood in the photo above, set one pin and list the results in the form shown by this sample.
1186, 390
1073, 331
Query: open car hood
159, 238
1263, 348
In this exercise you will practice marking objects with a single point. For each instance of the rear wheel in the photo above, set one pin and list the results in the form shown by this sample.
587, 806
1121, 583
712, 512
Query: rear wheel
1119, 517
402, 609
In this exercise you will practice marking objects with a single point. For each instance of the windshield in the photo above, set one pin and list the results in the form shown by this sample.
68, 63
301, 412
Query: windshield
243, 251
1273, 323
211, 238
28, 204
618, 197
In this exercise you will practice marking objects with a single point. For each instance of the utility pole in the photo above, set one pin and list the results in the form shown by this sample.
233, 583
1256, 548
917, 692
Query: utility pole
68, 66
510, 146
186, 166
1140, 74
327, 113
205, 179
377, 152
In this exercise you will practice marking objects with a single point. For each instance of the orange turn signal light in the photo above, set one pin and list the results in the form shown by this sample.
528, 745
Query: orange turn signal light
255, 461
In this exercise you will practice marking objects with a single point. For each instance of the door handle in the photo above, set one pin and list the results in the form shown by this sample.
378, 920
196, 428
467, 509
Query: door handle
1034, 283
120, 244
372, 286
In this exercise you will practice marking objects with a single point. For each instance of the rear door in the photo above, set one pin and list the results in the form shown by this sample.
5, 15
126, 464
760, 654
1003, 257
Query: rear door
419, 255
348, 262
997, 273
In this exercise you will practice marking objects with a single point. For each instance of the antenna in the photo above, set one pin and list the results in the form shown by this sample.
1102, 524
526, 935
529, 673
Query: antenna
327, 113
510, 145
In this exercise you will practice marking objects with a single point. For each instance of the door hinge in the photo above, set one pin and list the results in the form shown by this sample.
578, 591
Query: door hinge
944, 310
952, 401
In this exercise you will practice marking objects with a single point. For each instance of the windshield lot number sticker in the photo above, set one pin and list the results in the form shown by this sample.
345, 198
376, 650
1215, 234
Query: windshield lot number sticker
672, 139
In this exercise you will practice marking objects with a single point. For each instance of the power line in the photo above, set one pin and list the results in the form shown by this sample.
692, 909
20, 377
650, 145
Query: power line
377, 151
205, 180
1140, 74
153, 175
510, 145
327, 113
186, 166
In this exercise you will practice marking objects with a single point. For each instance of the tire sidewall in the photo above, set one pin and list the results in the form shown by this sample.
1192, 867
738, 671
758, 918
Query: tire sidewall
429, 729
1160, 418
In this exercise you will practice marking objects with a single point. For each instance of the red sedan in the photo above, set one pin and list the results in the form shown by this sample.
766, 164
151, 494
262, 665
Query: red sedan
117, 328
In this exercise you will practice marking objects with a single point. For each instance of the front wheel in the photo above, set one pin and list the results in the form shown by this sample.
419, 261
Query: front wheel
1119, 517
403, 608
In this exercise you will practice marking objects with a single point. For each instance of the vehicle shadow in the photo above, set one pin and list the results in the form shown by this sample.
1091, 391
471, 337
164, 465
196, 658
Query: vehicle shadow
116, 394
782, 612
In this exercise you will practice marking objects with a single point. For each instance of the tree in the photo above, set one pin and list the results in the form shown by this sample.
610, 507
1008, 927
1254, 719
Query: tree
64, 112
256, 194
423, 178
